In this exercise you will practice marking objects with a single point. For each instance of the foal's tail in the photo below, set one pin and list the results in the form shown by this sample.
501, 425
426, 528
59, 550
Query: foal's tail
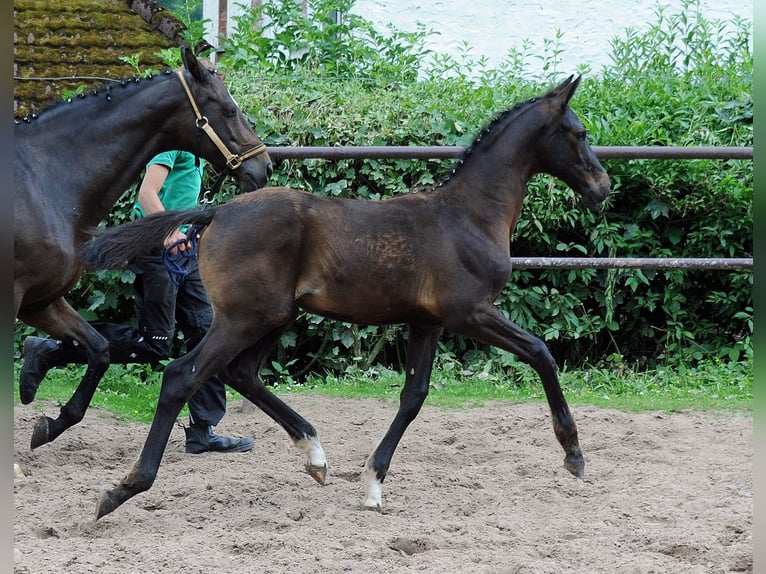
116, 247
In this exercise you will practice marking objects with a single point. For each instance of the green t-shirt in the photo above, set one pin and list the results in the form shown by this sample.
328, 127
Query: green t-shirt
182, 186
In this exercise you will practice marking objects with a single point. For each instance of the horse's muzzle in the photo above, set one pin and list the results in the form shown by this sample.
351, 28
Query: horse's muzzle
597, 191
254, 173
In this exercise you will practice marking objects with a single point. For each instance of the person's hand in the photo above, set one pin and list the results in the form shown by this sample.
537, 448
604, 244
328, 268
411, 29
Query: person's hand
175, 236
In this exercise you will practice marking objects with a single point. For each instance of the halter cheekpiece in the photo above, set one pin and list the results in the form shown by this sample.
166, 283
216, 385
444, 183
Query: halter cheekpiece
233, 161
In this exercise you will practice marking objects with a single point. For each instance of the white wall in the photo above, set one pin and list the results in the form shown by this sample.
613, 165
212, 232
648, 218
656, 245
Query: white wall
492, 27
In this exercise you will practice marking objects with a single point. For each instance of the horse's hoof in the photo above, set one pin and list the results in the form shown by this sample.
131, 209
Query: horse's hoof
105, 505
376, 507
319, 473
373, 499
576, 465
42, 431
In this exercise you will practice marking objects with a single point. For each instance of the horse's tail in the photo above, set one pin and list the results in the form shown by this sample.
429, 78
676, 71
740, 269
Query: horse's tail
116, 247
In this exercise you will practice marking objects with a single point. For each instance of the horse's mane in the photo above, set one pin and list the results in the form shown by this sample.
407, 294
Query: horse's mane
502, 119
107, 88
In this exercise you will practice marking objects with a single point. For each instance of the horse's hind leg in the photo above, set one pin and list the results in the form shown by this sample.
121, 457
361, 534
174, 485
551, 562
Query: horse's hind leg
487, 324
421, 350
62, 322
242, 376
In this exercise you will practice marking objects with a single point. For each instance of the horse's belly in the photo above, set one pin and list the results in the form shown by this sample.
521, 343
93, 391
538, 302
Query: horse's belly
367, 306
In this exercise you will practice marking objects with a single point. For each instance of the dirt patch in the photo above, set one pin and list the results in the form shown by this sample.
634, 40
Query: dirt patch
481, 490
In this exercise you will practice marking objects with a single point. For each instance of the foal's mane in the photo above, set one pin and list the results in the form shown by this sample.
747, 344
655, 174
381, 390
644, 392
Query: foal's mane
495, 127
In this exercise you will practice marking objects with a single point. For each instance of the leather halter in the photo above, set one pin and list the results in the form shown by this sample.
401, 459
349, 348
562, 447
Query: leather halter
233, 161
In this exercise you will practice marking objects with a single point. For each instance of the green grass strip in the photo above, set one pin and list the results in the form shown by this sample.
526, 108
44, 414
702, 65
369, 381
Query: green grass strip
132, 391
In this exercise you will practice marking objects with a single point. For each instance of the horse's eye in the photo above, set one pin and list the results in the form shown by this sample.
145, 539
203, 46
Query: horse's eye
230, 112
582, 136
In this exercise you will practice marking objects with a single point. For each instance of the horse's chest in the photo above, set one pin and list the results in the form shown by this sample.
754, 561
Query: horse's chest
498, 270
488, 265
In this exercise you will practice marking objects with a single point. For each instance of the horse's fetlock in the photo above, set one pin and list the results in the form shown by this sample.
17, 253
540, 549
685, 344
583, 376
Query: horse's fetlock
138, 481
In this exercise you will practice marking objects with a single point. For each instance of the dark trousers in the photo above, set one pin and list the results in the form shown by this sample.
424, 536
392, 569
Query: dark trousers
160, 308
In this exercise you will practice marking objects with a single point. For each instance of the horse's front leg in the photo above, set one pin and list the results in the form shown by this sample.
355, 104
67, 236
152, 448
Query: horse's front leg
182, 377
85, 345
421, 350
488, 325
242, 376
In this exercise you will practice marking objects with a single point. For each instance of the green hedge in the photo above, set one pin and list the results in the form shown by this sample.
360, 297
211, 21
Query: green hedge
684, 82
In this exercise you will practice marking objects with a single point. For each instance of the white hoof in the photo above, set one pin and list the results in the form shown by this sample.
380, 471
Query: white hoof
316, 459
372, 485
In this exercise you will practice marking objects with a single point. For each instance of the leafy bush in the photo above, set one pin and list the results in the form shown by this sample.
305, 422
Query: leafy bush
686, 81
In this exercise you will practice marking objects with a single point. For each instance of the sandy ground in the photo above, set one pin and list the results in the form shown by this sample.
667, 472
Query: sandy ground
481, 490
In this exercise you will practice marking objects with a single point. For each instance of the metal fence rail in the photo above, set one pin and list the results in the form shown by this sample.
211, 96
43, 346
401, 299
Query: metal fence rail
446, 152
603, 152
630, 263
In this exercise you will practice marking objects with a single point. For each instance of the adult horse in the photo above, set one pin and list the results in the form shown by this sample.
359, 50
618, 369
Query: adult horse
432, 260
71, 165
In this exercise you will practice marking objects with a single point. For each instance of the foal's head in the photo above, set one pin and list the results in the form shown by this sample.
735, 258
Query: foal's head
563, 148
222, 114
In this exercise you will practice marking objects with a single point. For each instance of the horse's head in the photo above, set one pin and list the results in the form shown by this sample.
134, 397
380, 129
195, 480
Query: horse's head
565, 151
225, 134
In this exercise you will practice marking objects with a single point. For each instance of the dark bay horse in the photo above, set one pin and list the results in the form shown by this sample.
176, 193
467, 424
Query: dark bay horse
71, 165
433, 260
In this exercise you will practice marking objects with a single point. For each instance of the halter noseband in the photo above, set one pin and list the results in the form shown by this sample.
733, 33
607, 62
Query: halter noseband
233, 161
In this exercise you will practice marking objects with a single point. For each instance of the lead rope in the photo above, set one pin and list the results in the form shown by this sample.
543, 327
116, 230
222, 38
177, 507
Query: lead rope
173, 262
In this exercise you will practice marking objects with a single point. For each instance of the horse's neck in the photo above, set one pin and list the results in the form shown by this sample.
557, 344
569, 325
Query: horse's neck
490, 185
117, 134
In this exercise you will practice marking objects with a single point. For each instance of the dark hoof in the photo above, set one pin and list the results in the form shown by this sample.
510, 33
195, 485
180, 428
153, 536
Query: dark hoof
319, 473
105, 504
575, 465
42, 432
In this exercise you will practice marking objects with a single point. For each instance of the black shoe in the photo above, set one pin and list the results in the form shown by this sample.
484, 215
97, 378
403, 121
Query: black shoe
201, 439
39, 358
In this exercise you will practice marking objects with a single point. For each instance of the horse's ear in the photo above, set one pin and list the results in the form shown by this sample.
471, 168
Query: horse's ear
564, 91
192, 64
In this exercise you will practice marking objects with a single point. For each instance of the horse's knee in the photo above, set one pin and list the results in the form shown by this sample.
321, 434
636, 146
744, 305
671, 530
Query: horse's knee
411, 401
100, 361
177, 384
174, 385
95, 354
415, 394
100, 346
93, 351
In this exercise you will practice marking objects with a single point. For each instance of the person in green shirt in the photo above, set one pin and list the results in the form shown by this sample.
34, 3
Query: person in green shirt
172, 181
